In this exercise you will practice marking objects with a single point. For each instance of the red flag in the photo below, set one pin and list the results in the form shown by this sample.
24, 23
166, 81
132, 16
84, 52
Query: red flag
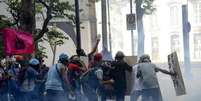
17, 42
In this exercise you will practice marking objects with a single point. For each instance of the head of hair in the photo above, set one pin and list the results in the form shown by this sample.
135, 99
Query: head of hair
144, 58
119, 55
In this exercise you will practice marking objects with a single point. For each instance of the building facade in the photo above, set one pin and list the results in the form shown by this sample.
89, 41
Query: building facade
163, 30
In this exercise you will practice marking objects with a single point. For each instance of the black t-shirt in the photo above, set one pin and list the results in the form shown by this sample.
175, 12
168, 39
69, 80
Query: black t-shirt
119, 74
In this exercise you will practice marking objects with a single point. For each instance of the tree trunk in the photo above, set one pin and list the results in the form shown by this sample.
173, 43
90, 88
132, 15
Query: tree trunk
140, 27
54, 53
27, 17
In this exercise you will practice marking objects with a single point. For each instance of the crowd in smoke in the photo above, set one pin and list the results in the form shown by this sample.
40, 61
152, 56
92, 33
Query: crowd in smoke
70, 79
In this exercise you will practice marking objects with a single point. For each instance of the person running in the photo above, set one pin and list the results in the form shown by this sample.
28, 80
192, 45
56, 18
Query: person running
57, 82
146, 73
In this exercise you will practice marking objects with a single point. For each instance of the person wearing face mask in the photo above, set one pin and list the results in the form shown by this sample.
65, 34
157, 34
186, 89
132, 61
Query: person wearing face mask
146, 75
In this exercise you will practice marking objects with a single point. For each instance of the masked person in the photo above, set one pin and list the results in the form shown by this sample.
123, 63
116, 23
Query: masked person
146, 73
119, 76
57, 82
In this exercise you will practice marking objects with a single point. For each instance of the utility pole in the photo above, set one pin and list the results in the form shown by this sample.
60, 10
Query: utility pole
186, 30
132, 36
104, 24
109, 25
77, 18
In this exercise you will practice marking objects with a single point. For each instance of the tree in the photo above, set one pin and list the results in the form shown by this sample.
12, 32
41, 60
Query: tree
54, 38
142, 7
23, 15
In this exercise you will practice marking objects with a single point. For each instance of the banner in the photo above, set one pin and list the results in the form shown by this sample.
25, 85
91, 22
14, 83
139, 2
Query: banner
17, 42
178, 79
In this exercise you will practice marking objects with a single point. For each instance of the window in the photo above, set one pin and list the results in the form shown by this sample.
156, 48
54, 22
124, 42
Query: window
197, 46
155, 50
153, 21
197, 12
175, 44
174, 16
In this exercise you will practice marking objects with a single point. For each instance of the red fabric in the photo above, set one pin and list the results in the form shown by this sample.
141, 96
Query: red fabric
74, 67
17, 42
98, 57
19, 57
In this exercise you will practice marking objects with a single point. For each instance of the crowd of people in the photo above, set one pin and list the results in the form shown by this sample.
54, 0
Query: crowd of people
71, 80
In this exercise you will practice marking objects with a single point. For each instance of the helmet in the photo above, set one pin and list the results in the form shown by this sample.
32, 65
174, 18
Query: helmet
120, 55
34, 61
144, 56
63, 57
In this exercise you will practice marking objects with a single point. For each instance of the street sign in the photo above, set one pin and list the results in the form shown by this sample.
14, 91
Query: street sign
131, 22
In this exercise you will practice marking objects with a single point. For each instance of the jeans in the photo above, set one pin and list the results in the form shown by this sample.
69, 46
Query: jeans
4, 97
135, 95
90, 92
154, 93
120, 94
55, 95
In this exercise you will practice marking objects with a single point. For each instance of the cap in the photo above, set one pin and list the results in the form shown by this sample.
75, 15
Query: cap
34, 61
63, 57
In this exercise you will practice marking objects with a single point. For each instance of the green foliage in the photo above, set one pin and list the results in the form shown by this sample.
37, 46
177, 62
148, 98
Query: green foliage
56, 8
40, 52
1, 48
148, 6
14, 7
54, 37
4, 22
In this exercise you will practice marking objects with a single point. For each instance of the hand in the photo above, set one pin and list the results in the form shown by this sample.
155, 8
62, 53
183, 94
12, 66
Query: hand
111, 80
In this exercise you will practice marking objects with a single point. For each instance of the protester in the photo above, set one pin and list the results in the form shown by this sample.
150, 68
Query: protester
13, 69
3, 84
119, 75
92, 79
27, 82
41, 79
146, 73
75, 69
57, 82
